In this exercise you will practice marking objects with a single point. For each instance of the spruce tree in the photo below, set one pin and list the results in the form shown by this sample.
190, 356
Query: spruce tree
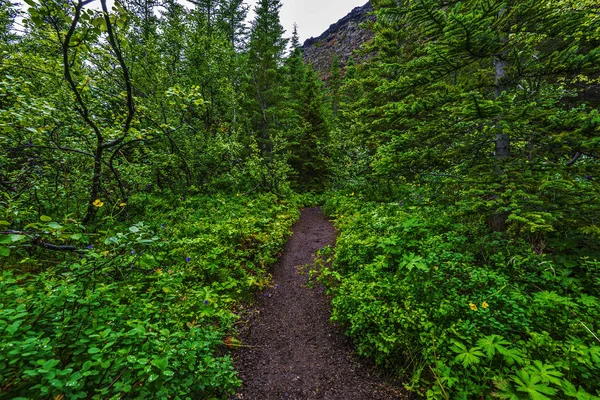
484, 92
231, 18
265, 53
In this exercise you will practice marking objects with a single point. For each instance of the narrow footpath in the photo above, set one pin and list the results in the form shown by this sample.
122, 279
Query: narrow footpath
293, 351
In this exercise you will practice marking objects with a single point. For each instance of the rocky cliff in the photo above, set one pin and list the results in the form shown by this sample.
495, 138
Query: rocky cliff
341, 39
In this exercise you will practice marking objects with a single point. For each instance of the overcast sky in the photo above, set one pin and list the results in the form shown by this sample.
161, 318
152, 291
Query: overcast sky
312, 16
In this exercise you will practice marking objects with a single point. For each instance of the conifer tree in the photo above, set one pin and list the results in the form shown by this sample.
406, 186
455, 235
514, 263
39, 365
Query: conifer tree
231, 18
265, 53
460, 100
295, 71
308, 158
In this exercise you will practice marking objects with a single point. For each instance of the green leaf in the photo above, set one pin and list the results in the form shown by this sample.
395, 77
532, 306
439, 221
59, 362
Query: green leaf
547, 372
4, 251
93, 350
48, 365
467, 357
513, 355
161, 363
532, 385
493, 344
55, 225
76, 236
11, 238
45, 218
86, 365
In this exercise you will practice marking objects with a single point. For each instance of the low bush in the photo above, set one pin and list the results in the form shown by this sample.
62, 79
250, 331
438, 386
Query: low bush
464, 312
144, 310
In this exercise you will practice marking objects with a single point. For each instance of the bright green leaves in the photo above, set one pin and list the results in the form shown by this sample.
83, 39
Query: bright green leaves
546, 372
493, 344
161, 363
8, 239
412, 261
536, 345
467, 357
538, 381
152, 304
11, 238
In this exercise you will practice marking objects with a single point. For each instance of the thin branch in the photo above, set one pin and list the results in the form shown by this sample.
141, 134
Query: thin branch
126, 76
574, 159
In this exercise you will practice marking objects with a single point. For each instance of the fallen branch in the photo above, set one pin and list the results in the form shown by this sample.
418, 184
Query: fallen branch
37, 241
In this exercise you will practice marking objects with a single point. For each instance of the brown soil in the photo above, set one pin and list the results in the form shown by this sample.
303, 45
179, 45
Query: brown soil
293, 351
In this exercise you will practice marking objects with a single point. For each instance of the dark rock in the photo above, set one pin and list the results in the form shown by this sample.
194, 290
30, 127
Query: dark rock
342, 39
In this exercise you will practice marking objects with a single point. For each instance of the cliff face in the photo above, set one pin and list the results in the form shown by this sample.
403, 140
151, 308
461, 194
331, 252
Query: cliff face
341, 39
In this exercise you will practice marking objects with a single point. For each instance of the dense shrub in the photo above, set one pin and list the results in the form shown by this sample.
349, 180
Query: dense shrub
465, 312
144, 311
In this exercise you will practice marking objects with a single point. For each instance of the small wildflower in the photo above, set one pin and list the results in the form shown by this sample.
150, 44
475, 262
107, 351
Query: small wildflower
97, 203
473, 306
122, 204
162, 226
90, 247
588, 177
485, 305
132, 251
188, 259
352, 194
206, 302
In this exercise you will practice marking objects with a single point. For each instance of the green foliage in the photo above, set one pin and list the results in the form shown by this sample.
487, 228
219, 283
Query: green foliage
143, 310
441, 298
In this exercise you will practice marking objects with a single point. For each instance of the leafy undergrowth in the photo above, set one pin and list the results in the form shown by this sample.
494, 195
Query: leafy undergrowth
464, 312
144, 310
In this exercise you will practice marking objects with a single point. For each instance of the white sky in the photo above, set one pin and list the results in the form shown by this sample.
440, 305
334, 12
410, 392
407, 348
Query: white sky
312, 16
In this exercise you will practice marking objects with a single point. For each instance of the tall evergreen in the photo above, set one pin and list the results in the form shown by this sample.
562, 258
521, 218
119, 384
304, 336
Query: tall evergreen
265, 53
231, 18
482, 95
308, 154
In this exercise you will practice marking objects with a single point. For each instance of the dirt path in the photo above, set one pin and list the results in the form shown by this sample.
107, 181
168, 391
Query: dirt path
296, 353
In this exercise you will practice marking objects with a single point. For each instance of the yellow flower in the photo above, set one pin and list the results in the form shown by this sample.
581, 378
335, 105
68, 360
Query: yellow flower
485, 305
352, 194
97, 203
473, 306
122, 204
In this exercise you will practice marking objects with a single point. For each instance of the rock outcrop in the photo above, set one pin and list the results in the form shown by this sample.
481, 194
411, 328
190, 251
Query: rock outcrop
341, 39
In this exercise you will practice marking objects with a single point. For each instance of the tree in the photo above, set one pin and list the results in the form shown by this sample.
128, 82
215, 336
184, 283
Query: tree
473, 97
308, 156
231, 17
265, 57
